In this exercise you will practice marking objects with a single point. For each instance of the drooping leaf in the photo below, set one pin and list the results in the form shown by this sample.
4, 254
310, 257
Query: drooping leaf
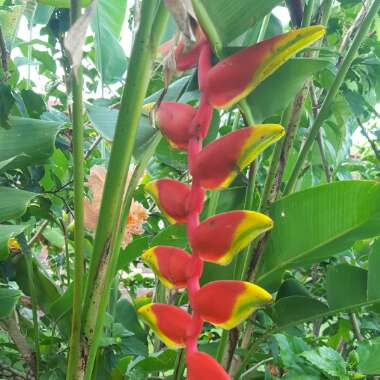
170, 323
234, 229
346, 288
13, 202
236, 76
28, 141
8, 300
219, 162
227, 303
104, 121
285, 84
170, 264
201, 366
318, 223
369, 353
171, 196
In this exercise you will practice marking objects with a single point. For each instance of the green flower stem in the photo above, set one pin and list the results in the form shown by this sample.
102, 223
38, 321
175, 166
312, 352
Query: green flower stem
333, 91
78, 164
105, 254
33, 294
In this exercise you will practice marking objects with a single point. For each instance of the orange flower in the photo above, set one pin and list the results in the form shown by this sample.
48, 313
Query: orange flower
137, 213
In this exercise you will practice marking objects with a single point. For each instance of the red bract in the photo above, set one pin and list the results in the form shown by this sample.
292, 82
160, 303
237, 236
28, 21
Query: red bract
201, 366
234, 231
174, 120
169, 322
171, 197
228, 303
219, 162
170, 264
218, 238
236, 76
185, 58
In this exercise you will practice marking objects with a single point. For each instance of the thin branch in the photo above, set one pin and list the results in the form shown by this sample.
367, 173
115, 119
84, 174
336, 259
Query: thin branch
38, 233
10, 324
370, 141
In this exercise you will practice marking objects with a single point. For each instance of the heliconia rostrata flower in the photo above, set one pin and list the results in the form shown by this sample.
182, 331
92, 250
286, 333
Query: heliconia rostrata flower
219, 238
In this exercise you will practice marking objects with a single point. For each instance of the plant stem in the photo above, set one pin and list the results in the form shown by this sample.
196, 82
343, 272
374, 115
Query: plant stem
330, 97
196, 199
29, 269
105, 254
78, 163
370, 141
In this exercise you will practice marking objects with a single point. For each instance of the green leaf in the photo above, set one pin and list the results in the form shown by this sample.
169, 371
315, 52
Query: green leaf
7, 232
328, 361
34, 103
369, 353
354, 291
159, 361
346, 288
224, 20
46, 291
9, 21
6, 103
174, 235
111, 61
104, 121
317, 223
63, 3
28, 141
126, 315
106, 24
111, 14
13, 202
373, 287
296, 309
284, 83
132, 252
8, 299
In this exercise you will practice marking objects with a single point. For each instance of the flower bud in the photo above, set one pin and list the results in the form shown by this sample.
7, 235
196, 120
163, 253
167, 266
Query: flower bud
201, 366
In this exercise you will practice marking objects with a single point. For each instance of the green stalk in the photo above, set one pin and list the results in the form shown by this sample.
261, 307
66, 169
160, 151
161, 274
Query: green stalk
78, 163
105, 252
29, 270
330, 97
308, 13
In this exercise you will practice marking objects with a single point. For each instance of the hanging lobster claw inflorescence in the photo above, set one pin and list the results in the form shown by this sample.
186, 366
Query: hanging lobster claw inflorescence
219, 238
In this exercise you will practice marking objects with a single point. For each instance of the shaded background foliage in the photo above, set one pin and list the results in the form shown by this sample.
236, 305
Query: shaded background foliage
322, 259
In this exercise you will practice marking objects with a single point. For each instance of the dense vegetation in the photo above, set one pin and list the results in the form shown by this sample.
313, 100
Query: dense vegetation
87, 137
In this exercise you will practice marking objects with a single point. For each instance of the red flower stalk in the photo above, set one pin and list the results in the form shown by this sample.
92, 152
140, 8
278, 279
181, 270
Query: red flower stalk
219, 238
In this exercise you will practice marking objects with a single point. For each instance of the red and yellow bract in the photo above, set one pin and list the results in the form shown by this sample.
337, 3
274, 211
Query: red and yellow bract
170, 323
171, 197
236, 76
234, 229
218, 238
227, 303
170, 264
219, 162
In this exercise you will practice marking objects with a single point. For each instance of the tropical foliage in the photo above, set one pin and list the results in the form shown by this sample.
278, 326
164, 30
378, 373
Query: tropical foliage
189, 189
